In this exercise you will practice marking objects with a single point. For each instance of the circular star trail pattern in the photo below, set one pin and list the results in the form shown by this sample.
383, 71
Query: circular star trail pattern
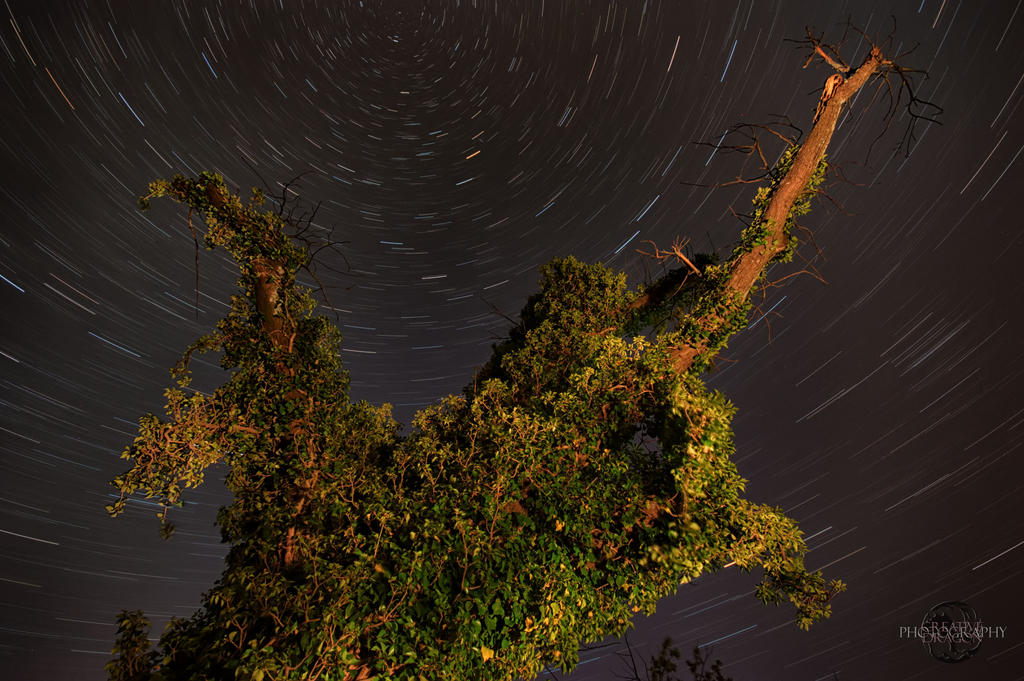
455, 146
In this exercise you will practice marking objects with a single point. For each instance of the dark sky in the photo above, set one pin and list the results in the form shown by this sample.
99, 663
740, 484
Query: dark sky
457, 146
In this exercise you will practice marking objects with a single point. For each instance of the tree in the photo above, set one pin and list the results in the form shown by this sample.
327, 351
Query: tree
134, 660
664, 665
581, 476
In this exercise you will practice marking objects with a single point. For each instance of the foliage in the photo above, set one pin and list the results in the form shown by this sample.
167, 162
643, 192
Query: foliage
135, 661
698, 667
575, 482
664, 665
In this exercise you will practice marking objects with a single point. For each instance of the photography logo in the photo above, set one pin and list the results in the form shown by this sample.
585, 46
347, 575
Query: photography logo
952, 632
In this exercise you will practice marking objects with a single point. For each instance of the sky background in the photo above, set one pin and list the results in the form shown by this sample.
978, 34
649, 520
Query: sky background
456, 146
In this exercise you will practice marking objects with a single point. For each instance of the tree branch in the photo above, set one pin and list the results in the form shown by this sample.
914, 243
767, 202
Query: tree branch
747, 267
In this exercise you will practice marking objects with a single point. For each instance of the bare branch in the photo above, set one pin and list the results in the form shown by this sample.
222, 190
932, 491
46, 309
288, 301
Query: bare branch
896, 80
829, 53
675, 252
750, 145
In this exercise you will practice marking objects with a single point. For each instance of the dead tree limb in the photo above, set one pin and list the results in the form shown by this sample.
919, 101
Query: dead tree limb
747, 267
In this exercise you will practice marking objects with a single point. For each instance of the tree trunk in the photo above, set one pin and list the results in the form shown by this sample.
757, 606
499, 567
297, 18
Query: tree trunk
748, 267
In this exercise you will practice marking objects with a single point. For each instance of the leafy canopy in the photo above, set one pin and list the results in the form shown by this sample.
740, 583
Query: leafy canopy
575, 482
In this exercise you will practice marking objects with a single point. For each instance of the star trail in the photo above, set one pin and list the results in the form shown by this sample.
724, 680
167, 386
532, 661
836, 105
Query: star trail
453, 146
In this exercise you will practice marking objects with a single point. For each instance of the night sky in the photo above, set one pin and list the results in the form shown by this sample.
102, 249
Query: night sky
455, 147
